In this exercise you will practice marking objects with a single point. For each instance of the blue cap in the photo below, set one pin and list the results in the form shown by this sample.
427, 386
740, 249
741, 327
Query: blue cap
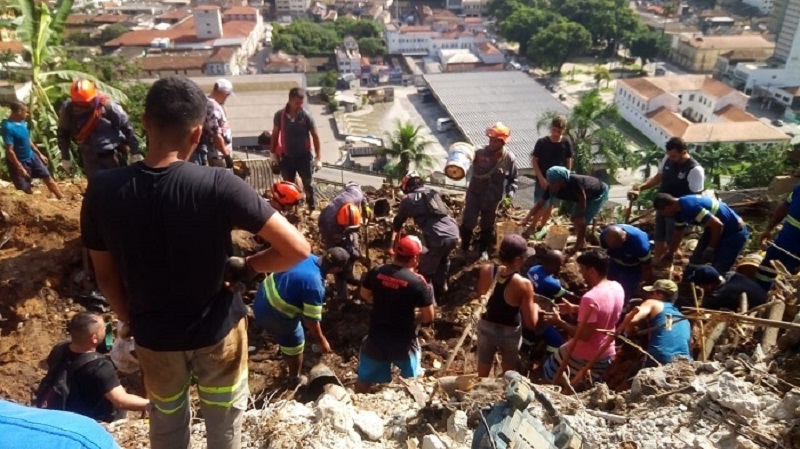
557, 173
705, 274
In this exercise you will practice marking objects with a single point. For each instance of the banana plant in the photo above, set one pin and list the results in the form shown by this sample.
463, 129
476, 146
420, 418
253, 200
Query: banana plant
40, 29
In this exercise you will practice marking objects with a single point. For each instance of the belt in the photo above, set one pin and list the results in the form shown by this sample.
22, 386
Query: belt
625, 264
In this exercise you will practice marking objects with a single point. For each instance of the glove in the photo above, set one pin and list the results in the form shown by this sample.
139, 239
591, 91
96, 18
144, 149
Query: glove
507, 201
66, 165
238, 270
369, 212
136, 158
708, 255
317, 164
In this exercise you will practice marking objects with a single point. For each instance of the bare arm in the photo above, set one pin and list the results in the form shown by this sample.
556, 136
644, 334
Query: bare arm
38, 153
424, 314
289, 247
538, 171
484, 279
273, 142
366, 294
677, 238
317, 145
780, 213
12, 158
527, 306
126, 401
652, 182
716, 227
636, 315
110, 282
568, 163
533, 215
219, 142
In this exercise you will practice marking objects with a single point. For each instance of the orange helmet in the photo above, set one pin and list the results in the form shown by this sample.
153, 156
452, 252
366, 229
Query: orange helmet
83, 91
500, 131
349, 216
286, 193
410, 181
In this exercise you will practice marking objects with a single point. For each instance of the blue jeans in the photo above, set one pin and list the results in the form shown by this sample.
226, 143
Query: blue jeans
730, 245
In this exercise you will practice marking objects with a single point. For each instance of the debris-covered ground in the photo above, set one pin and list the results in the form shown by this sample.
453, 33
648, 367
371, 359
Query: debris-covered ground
743, 399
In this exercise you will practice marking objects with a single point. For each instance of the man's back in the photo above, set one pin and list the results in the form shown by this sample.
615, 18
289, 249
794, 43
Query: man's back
728, 295
168, 230
396, 292
608, 297
302, 283
31, 428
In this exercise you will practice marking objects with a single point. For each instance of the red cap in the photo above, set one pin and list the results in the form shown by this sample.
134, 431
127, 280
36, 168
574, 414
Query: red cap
409, 246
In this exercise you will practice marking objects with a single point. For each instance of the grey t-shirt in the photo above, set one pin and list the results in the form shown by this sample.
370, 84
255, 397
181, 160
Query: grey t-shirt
435, 229
296, 138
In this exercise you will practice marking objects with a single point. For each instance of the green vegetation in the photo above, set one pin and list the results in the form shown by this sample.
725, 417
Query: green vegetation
312, 38
108, 33
403, 147
593, 140
649, 46
565, 25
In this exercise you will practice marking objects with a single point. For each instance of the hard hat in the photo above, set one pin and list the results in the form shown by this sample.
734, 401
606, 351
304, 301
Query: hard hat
410, 181
349, 216
286, 193
83, 91
500, 131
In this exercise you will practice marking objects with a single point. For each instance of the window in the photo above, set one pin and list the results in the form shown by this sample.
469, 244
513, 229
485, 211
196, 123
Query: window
691, 97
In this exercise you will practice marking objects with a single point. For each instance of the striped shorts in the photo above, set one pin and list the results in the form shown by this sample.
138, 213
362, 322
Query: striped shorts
575, 364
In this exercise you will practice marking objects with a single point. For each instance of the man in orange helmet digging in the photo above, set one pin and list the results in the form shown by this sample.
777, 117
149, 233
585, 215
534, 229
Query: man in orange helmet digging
99, 126
494, 179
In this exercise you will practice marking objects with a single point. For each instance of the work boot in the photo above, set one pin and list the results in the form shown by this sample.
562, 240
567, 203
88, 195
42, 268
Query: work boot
466, 238
486, 240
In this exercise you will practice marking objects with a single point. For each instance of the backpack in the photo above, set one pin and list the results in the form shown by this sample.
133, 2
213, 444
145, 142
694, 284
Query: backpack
53, 391
434, 203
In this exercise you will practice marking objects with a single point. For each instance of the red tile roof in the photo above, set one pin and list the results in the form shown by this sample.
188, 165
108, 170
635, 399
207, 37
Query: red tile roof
15, 47
241, 10
175, 14
183, 32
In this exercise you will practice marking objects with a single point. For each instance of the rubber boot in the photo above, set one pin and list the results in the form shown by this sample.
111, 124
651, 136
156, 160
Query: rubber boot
466, 238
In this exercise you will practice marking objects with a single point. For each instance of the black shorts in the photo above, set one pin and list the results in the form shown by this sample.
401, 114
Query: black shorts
35, 168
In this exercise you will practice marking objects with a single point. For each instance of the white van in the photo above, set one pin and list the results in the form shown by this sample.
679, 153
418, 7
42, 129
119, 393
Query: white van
443, 124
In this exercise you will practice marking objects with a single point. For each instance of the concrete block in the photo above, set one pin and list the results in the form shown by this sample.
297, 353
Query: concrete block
432, 442
369, 424
457, 427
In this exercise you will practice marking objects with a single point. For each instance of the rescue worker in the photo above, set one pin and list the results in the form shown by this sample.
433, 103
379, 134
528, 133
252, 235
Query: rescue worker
99, 126
288, 300
787, 245
670, 331
141, 223
546, 284
293, 131
401, 300
725, 292
631, 256
339, 224
493, 179
439, 229
749, 265
724, 236
587, 192
285, 196
216, 145
678, 175
510, 304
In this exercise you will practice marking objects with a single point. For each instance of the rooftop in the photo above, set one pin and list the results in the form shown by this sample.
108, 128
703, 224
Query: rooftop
744, 55
182, 33
15, 47
733, 114
189, 60
175, 14
653, 86
489, 49
793, 91
241, 10
741, 41
509, 97
756, 131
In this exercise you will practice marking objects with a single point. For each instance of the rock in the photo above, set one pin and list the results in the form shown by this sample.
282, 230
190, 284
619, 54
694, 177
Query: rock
4, 217
369, 424
736, 395
338, 392
335, 414
432, 442
699, 386
457, 427
744, 443
708, 367
789, 408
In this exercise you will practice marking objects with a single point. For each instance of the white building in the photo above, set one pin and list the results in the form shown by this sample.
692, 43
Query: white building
424, 39
293, 8
699, 109
475, 8
348, 58
208, 22
763, 6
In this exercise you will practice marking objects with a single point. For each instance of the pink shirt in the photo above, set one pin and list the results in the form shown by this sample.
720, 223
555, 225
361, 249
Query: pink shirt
608, 296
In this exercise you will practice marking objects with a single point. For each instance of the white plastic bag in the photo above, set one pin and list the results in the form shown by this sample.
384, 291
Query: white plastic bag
122, 351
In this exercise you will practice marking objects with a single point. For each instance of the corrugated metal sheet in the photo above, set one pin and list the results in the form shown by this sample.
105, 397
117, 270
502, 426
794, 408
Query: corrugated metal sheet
476, 100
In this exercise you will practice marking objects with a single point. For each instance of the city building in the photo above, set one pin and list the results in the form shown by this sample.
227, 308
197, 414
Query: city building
697, 108
348, 58
700, 53
764, 6
294, 8
281, 62
219, 62
490, 54
474, 8
423, 39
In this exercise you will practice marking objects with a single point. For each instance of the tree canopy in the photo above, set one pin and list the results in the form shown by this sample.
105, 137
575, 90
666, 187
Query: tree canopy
312, 38
649, 46
554, 44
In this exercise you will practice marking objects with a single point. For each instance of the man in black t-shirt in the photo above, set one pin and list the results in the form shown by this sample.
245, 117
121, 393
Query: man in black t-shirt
94, 388
401, 299
550, 151
142, 224
587, 192
726, 292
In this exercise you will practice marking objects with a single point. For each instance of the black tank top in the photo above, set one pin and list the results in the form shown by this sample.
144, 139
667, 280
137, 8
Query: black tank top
497, 309
675, 178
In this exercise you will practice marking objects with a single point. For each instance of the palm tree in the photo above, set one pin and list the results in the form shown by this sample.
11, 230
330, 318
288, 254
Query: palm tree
601, 73
717, 159
405, 147
593, 137
651, 156
40, 30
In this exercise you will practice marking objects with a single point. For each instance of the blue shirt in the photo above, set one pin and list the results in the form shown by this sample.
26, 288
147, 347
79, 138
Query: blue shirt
302, 287
635, 251
667, 342
33, 428
544, 283
16, 134
789, 237
697, 209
